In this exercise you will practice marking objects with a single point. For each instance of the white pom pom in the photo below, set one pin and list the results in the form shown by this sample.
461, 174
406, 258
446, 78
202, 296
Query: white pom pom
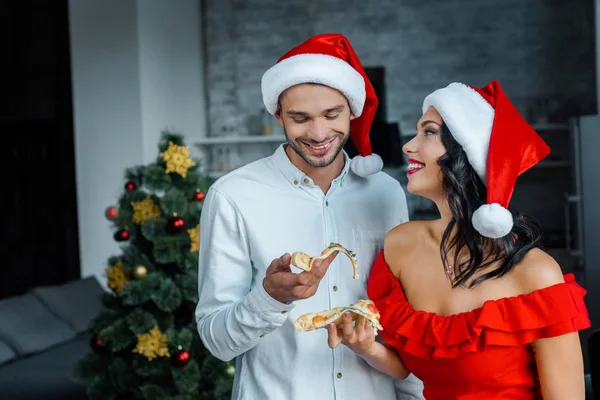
365, 166
492, 220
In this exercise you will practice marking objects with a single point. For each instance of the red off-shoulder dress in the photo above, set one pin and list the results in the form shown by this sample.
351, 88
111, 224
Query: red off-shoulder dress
481, 354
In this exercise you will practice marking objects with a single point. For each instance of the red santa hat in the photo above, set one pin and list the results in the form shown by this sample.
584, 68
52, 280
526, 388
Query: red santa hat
329, 59
498, 142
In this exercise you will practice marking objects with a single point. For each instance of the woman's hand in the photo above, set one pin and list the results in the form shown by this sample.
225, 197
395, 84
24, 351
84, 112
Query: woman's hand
360, 336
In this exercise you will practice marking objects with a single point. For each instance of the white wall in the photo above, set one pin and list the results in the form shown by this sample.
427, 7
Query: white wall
136, 70
171, 70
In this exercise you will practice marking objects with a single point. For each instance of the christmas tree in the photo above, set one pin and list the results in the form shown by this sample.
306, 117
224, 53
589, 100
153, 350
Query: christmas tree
145, 344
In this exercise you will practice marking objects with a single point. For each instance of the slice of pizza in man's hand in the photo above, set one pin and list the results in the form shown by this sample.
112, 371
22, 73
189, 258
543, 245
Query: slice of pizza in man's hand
304, 261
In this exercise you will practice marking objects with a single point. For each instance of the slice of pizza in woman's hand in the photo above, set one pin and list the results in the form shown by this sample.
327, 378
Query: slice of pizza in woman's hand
318, 320
304, 261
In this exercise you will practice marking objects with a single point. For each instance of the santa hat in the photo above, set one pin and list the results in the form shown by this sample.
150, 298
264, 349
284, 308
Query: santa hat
329, 59
498, 142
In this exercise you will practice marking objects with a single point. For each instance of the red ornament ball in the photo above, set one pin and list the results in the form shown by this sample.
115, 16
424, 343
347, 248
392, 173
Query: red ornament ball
199, 195
175, 224
111, 213
98, 345
182, 357
121, 235
130, 186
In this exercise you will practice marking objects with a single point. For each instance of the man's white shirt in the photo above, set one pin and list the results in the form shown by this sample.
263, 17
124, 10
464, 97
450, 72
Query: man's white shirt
256, 214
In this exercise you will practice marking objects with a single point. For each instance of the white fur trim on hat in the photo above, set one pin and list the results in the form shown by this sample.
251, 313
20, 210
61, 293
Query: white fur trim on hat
492, 221
314, 68
470, 119
367, 165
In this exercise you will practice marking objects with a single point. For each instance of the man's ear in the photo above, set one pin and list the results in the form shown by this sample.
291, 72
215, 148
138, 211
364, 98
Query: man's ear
352, 116
278, 115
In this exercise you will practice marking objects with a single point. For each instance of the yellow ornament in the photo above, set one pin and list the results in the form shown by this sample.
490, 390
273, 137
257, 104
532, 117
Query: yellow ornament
139, 271
144, 209
152, 344
117, 277
178, 159
194, 238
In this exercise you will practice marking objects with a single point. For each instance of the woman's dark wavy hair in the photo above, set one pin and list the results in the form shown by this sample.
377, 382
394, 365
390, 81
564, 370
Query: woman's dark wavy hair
465, 192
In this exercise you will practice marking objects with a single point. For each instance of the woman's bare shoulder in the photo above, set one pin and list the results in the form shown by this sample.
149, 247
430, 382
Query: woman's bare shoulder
404, 234
536, 271
402, 242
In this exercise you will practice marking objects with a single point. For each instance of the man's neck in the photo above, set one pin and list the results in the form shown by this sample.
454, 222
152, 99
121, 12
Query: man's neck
321, 176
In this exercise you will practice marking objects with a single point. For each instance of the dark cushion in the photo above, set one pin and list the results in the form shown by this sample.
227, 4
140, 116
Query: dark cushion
76, 302
47, 375
28, 326
6, 353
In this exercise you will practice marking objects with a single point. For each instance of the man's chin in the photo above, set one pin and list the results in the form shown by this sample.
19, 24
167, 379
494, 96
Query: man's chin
318, 162
321, 161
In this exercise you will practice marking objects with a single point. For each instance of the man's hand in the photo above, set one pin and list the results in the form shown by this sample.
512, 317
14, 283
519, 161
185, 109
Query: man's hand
285, 286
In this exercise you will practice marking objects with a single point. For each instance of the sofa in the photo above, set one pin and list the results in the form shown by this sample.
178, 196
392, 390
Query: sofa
43, 333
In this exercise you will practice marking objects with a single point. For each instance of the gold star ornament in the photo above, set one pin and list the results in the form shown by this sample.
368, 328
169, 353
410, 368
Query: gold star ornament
117, 277
178, 159
142, 210
152, 344
194, 238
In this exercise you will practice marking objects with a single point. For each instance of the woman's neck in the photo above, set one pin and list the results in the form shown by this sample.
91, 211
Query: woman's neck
445, 218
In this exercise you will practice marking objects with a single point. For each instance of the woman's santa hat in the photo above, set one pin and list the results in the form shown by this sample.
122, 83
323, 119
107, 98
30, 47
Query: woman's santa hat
498, 142
329, 60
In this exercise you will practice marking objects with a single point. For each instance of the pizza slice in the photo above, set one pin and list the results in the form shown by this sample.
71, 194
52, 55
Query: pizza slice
304, 261
318, 320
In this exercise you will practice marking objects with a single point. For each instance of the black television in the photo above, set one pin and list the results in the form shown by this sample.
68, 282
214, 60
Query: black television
385, 136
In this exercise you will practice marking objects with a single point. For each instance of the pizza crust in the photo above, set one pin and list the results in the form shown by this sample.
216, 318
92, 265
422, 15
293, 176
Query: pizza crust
304, 262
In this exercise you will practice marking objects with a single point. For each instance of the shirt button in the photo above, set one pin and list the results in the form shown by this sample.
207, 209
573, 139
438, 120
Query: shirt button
326, 202
335, 288
284, 312
262, 335
295, 182
339, 375
306, 181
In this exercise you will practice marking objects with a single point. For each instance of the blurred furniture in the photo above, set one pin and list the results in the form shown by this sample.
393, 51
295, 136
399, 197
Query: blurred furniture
43, 334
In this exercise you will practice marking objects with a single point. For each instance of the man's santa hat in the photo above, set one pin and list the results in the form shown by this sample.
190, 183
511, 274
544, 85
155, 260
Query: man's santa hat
329, 59
498, 142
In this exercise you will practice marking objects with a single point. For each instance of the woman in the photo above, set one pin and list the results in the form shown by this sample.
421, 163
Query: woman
469, 303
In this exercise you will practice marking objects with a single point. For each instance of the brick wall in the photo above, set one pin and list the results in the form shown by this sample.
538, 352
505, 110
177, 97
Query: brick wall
535, 48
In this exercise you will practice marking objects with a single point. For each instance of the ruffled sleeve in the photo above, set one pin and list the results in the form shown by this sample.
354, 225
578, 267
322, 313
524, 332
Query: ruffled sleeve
512, 321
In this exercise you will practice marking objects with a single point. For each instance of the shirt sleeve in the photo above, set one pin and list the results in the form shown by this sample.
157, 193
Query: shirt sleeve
410, 388
403, 206
233, 312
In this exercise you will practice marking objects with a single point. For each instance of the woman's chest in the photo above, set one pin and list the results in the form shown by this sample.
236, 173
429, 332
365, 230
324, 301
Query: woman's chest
428, 287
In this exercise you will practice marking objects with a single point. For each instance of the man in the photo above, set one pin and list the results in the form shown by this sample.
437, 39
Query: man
303, 197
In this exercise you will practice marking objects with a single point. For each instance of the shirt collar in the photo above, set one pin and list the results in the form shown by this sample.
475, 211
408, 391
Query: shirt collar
295, 176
